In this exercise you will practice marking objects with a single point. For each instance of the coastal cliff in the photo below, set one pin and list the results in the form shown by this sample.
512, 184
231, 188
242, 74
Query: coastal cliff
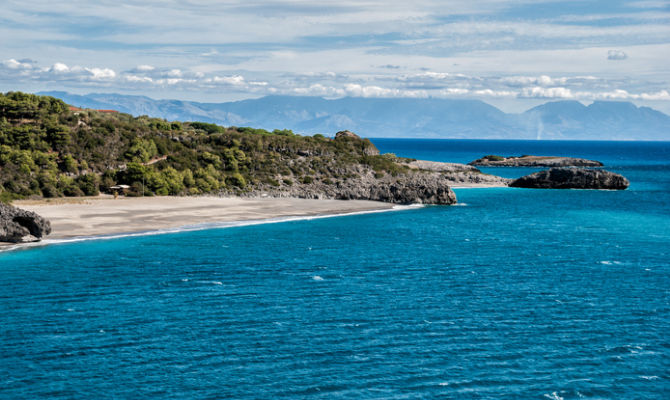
534, 161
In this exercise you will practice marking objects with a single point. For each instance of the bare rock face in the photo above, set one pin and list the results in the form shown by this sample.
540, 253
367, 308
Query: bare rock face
409, 189
16, 224
459, 174
534, 161
572, 178
346, 134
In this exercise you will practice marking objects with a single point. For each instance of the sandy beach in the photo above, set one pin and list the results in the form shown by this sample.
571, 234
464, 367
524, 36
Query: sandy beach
104, 215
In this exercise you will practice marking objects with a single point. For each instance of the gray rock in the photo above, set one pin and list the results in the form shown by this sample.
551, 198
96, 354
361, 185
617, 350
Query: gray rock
16, 224
459, 174
409, 188
437, 166
572, 178
346, 134
417, 188
534, 161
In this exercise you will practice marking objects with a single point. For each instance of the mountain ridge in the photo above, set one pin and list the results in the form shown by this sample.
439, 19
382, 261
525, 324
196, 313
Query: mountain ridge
403, 117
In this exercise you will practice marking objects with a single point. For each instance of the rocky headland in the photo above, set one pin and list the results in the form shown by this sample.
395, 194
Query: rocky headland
572, 178
534, 161
412, 187
459, 174
385, 178
17, 225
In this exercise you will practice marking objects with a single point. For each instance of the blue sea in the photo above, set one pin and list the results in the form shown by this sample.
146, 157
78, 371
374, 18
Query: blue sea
511, 294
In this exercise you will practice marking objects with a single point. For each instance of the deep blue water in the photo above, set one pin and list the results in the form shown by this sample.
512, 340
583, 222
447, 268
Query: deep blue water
514, 294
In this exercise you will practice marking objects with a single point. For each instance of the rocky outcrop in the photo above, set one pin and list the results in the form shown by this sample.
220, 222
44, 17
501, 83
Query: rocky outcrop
412, 187
459, 174
436, 166
534, 161
366, 145
346, 134
17, 225
572, 178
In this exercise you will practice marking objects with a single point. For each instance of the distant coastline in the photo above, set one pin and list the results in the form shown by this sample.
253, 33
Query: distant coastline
425, 118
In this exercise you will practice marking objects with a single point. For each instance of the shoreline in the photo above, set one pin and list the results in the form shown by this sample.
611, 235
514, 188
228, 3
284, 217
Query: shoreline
103, 217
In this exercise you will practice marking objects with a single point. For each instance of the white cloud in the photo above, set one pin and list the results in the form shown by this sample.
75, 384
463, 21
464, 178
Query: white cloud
235, 80
135, 78
420, 84
616, 55
493, 49
542, 80
620, 94
59, 68
175, 73
318, 89
660, 95
14, 64
101, 73
542, 92
358, 90
495, 93
454, 92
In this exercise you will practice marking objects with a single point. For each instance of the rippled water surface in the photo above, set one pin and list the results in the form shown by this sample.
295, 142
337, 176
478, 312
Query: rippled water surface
515, 293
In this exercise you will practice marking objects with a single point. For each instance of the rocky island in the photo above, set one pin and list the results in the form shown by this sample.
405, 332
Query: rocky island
572, 178
534, 161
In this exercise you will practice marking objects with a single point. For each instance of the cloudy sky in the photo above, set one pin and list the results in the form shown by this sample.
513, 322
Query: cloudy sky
511, 53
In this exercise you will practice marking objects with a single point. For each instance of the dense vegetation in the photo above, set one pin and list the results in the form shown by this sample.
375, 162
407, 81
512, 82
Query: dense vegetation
48, 150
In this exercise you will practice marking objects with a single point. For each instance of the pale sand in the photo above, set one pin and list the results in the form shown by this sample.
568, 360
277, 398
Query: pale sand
104, 215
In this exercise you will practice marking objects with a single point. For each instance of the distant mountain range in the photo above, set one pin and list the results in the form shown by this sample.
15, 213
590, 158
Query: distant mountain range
402, 117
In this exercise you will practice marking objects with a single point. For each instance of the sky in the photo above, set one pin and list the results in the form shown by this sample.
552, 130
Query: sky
513, 54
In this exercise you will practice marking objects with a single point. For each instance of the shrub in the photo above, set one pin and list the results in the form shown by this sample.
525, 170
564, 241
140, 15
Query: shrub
236, 179
89, 184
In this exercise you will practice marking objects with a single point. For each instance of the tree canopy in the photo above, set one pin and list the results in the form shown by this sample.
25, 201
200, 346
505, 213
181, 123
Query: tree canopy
48, 150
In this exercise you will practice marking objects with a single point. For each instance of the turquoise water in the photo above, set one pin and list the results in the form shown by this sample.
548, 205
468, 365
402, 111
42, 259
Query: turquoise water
514, 293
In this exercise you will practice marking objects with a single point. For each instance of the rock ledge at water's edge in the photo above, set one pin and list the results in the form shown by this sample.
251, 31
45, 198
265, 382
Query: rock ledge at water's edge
413, 187
17, 225
534, 161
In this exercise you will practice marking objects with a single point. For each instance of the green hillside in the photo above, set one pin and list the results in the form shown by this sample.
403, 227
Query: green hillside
49, 150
